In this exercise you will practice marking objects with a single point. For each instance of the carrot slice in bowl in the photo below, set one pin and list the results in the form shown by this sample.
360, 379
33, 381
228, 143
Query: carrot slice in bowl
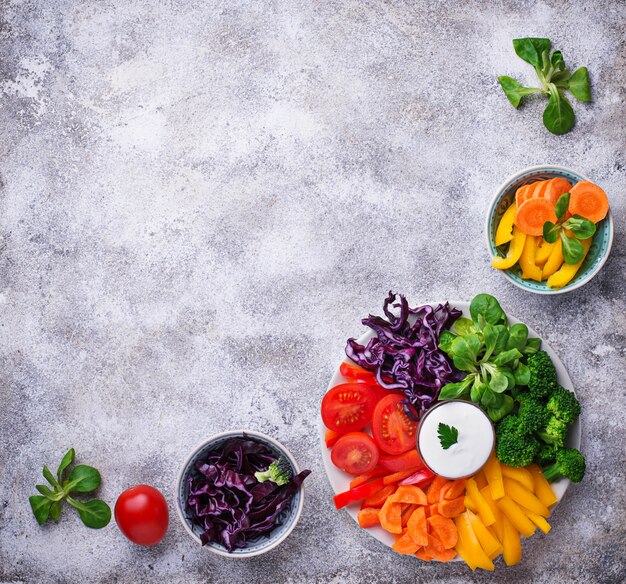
589, 201
556, 187
532, 214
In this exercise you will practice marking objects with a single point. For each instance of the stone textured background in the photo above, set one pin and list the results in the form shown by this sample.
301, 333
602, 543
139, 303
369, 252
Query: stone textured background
200, 200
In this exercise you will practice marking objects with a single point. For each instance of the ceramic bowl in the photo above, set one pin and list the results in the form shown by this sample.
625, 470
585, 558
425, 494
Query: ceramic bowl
602, 240
262, 544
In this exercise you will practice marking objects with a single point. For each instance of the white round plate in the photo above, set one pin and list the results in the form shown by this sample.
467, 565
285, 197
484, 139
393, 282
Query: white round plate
340, 481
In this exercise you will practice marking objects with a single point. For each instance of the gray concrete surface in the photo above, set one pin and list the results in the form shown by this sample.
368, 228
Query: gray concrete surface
200, 200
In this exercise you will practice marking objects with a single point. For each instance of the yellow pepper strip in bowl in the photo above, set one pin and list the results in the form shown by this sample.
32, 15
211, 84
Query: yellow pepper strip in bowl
516, 247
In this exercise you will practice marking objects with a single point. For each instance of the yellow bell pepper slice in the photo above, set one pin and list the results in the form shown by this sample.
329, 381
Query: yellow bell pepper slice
504, 233
555, 261
488, 542
470, 543
568, 271
516, 516
469, 504
530, 271
484, 511
493, 472
544, 249
498, 525
516, 247
525, 498
469, 560
543, 490
511, 544
481, 479
539, 521
519, 474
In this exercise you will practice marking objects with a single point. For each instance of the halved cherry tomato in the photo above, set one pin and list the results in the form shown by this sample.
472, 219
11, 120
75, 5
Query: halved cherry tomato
410, 459
354, 371
393, 431
355, 453
348, 407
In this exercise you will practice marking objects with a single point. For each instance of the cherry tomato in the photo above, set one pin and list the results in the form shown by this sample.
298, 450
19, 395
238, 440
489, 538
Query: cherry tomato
355, 453
400, 462
354, 371
348, 407
393, 431
141, 514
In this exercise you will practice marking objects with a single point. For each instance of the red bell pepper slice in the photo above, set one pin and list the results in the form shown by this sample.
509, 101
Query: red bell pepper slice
420, 478
357, 494
331, 438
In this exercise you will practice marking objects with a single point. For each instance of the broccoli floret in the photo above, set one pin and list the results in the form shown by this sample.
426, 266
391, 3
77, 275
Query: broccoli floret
278, 472
532, 413
546, 455
564, 405
569, 463
514, 446
542, 382
555, 432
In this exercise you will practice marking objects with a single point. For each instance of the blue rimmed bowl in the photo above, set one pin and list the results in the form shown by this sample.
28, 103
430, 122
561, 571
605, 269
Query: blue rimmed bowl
254, 547
505, 195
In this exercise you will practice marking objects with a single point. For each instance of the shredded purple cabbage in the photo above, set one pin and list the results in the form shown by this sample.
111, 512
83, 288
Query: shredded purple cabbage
405, 354
228, 503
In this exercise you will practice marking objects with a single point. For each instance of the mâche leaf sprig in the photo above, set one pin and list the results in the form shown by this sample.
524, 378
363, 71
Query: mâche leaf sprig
578, 226
81, 479
554, 79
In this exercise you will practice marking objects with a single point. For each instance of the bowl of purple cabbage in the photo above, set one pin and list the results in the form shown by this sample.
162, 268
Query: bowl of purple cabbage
240, 494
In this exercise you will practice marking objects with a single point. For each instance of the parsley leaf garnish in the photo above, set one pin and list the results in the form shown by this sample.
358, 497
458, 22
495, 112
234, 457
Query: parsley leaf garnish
448, 435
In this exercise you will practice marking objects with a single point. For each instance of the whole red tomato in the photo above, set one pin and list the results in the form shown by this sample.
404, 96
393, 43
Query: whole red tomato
141, 514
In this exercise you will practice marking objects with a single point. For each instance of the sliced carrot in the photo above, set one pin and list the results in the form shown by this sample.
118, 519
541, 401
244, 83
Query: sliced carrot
556, 187
398, 476
532, 214
379, 497
445, 529
405, 545
445, 555
410, 494
434, 545
390, 516
453, 507
406, 514
422, 554
417, 527
540, 189
523, 193
368, 517
435, 489
361, 479
589, 201
455, 489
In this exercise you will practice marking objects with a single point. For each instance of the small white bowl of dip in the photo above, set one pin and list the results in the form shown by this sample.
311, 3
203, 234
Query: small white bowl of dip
475, 441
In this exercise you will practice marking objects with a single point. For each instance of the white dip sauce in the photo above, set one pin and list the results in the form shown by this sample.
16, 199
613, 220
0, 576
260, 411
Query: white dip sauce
474, 445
